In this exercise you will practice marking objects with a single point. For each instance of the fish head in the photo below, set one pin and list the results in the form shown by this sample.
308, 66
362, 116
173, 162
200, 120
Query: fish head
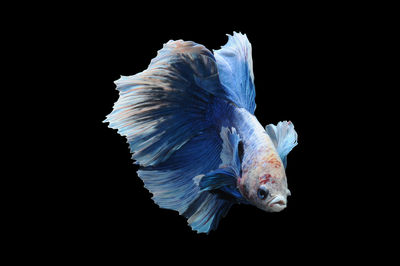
263, 182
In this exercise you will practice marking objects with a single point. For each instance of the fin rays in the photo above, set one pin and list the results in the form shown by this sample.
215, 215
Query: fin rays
284, 138
235, 65
171, 115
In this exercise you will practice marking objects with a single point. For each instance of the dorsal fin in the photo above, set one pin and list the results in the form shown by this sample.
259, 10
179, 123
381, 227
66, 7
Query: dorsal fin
235, 66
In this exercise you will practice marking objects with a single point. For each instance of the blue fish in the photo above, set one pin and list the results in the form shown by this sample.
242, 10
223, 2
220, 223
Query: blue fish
189, 121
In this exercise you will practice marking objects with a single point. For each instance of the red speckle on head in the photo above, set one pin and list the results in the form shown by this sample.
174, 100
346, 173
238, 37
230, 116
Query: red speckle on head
264, 179
275, 163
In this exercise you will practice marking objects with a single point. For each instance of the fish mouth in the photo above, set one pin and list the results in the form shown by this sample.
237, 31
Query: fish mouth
277, 203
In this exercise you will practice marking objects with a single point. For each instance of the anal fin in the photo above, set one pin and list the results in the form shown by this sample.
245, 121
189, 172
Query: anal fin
206, 211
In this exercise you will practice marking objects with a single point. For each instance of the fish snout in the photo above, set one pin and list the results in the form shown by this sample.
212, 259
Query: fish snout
277, 203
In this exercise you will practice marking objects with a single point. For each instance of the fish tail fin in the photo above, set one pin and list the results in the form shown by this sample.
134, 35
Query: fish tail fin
206, 211
167, 113
163, 107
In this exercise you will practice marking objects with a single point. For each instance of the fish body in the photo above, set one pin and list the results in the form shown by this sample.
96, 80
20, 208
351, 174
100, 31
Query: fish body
189, 120
261, 165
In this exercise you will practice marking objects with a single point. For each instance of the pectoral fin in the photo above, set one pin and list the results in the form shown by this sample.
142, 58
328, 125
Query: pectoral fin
284, 138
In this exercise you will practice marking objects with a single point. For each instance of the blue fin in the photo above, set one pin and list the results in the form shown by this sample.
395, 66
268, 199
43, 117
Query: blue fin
230, 152
163, 107
235, 66
171, 182
217, 179
206, 211
171, 115
225, 177
221, 180
284, 138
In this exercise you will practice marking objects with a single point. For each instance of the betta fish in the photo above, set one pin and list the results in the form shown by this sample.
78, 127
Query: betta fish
190, 125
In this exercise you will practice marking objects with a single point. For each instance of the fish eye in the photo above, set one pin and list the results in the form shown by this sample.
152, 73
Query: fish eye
262, 193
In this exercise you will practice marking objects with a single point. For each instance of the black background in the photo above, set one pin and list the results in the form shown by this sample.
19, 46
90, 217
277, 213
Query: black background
307, 70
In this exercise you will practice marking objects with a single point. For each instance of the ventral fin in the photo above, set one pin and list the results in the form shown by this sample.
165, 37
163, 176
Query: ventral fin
284, 138
217, 179
224, 178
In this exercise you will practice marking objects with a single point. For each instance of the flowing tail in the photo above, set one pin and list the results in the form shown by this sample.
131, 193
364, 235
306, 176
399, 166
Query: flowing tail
172, 115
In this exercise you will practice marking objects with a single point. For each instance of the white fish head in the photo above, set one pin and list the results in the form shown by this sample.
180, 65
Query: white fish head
263, 182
